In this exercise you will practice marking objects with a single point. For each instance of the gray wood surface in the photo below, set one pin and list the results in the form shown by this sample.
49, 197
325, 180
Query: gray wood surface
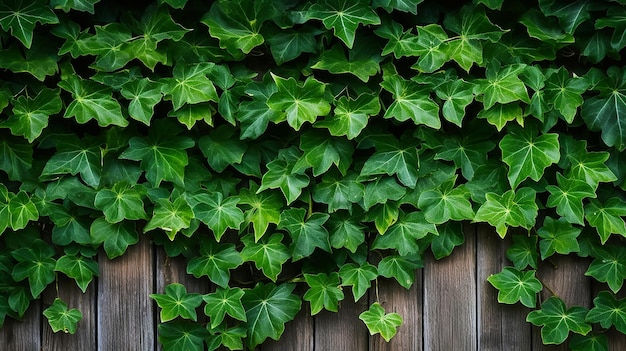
342, 330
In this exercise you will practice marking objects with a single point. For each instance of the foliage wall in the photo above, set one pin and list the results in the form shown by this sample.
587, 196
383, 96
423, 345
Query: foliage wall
321, 146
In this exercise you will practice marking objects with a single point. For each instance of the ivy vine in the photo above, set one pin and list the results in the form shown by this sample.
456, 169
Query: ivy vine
308, 135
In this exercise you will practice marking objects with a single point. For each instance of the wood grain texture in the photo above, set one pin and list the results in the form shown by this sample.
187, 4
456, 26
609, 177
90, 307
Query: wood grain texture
23, 335
342, 330
500, 326
126, 314
450, 298
407, 303
298, 336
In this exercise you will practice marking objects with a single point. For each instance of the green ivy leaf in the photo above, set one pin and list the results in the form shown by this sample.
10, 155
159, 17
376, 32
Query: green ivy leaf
589, 342
338, 192
345, 231
21, 210
557, 321
431, 47
609, 266
377, 321
514, 285
268, 307
380, 190
120, 202
401, 43
608, 311
144, 95
588, 166
350, 116
217, 212
92, 101
75, 156
222, 302
568, 197
457, 95
502, 85
401, 268
616, 19
394, 158
343, 17
79, 268
109, 45
286, 45
215, 261
268, 253
383, 215
299, 103
117, 237
182, 335
570, 13
362, 61
321, 152
170, 216
324, 292
558, 236
157, 24
450, 236
264, 208
565, 92
544, 28
466, 154
528, 154
307, 231
30, 116
607, 217
400, 5
359, 277
523, 251
280, 175
498, 115
16, 157
515, 209
61, 318
190, 85
78, 5
176, 302
446, 202
35, 263
20, 18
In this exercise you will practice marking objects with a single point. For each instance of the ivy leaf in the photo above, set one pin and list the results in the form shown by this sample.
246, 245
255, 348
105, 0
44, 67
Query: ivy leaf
527, 154
557, 236
445, 203
544, 28
182, 335
254, 115
514, 285
176, 302
498, 115
466, 154
350, 116
16, 157
570, 14
359, 277
565, 92
401, 268
61, 318
492, 4
607, 217
400, 5
109, 45
78, 5
588, 166
321, 152
221, 149
79, 268
268, 307
170, 216
115, 236
157, 24
286, 45
35, 263
602, 112
299, 102
217, 212
30, 116
268, 254
382, 189
362, 61
457, 95
338, 192
162, 153
120, 202
568, 197
557, 321
343, 17
92, 101
265, 208
306, 233
21, 210
431, 47
609, 266
502, 85
222, 302
377, 321
450, 236
345, 231
324, 292
75, 156
411, 101
383, 215
190, 85
608, 311
280, 175
20, 18
523, 251
515, 209
215, 261
401, 43
589, 342
144, 95
401, 160
237, 24
615, 19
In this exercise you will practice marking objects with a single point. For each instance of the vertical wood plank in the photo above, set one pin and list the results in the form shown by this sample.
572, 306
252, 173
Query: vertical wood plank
500, 326
125, 311
85, 336
23, 335
407, 303
342, 330
565, 276
298, 335
450, 321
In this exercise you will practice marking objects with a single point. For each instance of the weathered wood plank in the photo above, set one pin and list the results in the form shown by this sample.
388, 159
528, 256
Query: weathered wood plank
23, 335
408, 303
298, 335
342, 330
500, 326
125, 311
85, 337
565, 276
450, 321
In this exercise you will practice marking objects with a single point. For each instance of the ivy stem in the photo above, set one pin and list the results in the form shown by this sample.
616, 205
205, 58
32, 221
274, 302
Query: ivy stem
377, 295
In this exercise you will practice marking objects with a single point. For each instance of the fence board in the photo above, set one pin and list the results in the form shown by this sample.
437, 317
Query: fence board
342, 330
450, 298
125, 311
23, 335
501, 327
298, 336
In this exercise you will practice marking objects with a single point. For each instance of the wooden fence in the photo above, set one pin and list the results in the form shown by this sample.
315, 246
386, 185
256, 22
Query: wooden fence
450, 307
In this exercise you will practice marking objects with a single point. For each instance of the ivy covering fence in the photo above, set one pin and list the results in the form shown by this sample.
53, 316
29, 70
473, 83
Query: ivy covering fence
320, 146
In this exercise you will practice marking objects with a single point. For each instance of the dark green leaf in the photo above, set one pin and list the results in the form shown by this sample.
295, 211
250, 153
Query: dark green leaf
514, 285
120, 202
359, 277
557, 321
299, 103
307, 234
182, 335
79, 268
324, 292
609, 266
401, 268
115, 236
515, 209
215, 261
343, 17
20, 18
61, 318
35, 263
177, 302
268, 254
222, 302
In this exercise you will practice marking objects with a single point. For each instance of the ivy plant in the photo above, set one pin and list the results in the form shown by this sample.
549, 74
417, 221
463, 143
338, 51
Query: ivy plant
323, 145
